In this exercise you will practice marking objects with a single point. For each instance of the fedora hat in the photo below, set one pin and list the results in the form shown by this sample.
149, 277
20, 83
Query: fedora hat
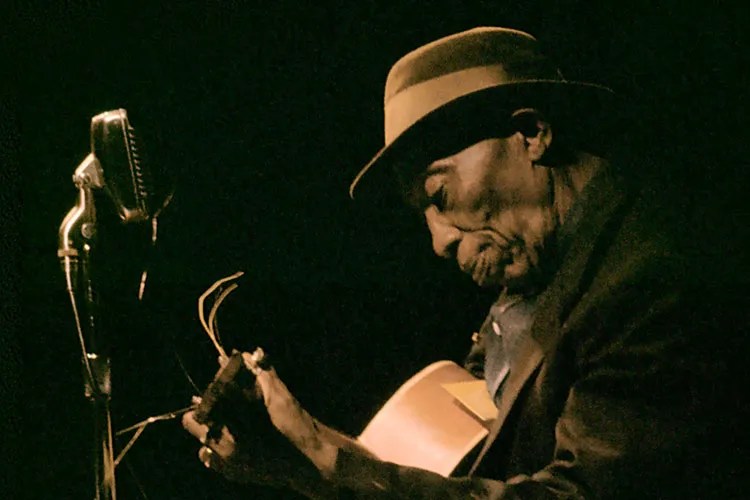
443, 94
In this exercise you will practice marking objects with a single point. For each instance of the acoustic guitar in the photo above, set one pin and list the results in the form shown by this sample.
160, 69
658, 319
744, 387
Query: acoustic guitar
434, 421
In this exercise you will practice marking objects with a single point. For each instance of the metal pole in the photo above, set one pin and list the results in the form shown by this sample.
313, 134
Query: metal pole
98, 390
76, 239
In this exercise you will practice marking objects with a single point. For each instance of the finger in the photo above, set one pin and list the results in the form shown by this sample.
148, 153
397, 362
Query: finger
215, 433
209, 458
196, 400
199, 431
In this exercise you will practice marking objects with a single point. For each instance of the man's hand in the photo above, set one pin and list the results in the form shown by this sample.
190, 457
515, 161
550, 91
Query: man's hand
275, 442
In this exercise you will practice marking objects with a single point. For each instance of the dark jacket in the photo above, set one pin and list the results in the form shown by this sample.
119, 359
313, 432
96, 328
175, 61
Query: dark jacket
622, 388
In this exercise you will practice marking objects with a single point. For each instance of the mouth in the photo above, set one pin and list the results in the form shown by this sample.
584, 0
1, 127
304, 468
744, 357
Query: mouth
489, 262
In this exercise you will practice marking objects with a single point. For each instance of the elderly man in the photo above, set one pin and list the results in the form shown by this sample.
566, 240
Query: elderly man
592, 352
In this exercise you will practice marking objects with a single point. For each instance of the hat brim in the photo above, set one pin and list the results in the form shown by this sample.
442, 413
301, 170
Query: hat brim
473, 117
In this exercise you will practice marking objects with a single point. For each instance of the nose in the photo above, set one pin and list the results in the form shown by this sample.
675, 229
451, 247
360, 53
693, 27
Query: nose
445, 236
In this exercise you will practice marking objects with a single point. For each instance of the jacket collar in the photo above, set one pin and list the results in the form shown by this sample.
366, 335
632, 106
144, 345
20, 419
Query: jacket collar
597, 213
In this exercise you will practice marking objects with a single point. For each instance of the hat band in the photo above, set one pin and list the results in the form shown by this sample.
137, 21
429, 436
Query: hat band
416, 101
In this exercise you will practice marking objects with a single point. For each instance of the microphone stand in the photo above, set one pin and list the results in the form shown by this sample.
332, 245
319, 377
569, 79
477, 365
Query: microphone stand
77, 240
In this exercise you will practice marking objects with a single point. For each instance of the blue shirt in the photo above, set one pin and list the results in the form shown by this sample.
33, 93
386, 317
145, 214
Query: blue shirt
509, 319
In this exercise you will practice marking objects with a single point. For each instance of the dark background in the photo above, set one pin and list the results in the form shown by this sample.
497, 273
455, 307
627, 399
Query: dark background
261, 113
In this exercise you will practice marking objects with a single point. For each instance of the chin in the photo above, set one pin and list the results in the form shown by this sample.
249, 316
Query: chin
489, 283
530, 282
520, 276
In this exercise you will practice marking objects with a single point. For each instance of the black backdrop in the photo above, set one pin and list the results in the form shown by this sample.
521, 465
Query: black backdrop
262, 113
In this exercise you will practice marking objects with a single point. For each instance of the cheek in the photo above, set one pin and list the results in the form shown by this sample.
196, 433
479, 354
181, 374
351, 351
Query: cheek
478, 188
530, 225
523, 186
538, 226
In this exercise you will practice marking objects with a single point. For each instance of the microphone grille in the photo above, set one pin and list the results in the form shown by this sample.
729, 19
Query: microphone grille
127, 180
141, 177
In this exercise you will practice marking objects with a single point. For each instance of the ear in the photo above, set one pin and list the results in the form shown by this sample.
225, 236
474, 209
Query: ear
535, 130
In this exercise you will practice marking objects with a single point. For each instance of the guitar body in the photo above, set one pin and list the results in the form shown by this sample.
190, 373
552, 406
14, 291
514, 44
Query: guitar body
424, 425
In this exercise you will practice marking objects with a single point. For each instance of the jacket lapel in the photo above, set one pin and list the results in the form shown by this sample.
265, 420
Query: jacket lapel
527, 357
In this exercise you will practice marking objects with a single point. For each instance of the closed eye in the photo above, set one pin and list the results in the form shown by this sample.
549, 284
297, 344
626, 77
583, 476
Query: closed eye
427, 189
438, 199
435, 191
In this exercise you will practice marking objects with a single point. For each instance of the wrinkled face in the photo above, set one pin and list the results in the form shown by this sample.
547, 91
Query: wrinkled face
489, 207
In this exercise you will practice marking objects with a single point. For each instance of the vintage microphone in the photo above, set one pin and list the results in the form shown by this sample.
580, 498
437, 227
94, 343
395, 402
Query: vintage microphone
114, 167
128, 183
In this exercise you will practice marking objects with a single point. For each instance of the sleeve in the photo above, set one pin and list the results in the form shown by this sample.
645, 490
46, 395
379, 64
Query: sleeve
646, 416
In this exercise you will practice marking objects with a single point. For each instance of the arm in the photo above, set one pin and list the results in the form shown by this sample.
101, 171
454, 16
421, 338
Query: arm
287, 447
630, 417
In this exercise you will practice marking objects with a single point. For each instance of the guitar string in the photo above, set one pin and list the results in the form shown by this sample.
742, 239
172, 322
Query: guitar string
137, 481
212, 318
201, 311
140, 427
185, 371
155, 418
109, 459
